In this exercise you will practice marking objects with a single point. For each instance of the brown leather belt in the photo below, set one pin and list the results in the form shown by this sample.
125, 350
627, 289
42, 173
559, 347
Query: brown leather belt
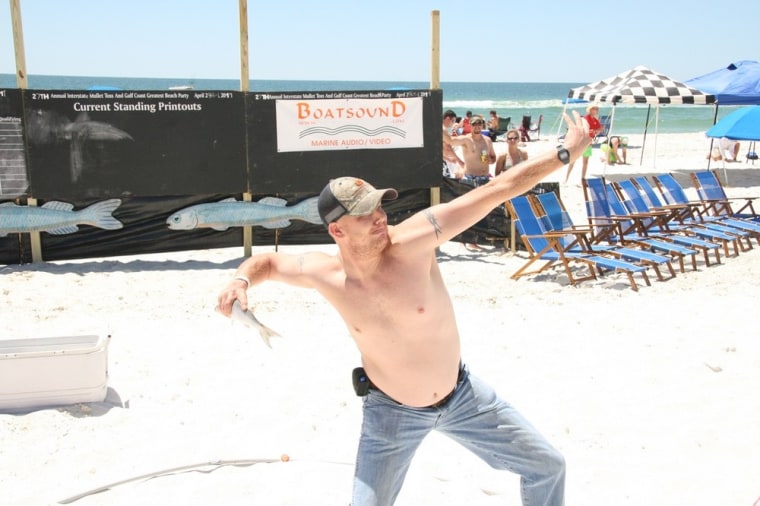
438, 404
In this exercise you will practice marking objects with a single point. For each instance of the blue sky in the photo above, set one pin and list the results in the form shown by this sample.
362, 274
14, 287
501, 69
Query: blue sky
487, 41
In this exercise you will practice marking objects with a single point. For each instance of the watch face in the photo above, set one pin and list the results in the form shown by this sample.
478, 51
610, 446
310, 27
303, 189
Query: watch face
563, 155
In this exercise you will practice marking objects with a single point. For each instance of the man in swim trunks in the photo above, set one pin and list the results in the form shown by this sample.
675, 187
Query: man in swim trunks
385, 283
477, 151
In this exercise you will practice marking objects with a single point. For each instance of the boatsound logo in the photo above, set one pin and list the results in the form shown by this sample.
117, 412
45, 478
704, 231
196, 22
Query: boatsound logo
360, 123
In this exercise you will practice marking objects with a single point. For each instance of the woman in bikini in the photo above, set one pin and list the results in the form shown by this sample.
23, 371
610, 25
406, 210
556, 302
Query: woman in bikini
513, 155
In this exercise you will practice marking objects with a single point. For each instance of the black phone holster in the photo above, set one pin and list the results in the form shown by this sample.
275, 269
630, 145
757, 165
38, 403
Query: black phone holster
361, 382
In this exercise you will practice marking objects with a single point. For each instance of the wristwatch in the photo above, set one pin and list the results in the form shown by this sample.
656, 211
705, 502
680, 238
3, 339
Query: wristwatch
563, 154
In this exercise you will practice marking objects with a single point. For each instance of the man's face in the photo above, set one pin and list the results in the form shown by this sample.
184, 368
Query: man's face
364, 233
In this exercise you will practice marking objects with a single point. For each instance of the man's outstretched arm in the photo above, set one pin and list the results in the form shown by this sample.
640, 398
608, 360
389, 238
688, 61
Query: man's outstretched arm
291, 269
434, 226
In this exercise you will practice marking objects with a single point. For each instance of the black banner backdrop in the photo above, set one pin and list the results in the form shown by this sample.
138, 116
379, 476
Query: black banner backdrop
308, 171
161, 151
101, 144
13, 180
13, 176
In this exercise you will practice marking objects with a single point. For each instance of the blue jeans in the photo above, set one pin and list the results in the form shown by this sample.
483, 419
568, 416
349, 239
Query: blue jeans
476, 418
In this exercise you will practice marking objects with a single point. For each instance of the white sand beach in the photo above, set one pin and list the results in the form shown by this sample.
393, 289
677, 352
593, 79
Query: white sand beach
652, 396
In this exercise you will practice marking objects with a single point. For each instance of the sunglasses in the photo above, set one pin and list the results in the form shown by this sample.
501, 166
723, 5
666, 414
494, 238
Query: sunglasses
476, 123
512, 138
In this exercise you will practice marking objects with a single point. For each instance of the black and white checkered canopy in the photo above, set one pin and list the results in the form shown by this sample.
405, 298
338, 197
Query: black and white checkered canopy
640, 86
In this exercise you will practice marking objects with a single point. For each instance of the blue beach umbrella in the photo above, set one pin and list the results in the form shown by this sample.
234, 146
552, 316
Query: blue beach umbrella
740, 125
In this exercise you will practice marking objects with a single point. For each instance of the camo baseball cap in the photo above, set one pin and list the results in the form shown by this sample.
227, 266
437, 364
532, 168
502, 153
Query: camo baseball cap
351, 196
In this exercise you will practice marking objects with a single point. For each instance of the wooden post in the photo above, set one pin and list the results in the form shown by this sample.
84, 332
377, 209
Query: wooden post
512, 237
23, 83
245, 86
247, 231
34, 237
435, 50
18, 44
435, 77
243, 13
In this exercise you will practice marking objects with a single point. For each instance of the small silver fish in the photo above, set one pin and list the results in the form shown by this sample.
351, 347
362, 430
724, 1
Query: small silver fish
248, 319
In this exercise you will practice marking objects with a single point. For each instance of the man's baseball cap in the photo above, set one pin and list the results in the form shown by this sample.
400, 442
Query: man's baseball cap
351, 196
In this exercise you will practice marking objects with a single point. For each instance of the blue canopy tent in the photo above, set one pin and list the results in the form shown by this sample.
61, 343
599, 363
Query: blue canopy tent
736, 84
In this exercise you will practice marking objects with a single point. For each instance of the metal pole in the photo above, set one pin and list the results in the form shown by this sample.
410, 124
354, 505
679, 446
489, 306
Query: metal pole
712, 142
609, 134
656, 133
644, 142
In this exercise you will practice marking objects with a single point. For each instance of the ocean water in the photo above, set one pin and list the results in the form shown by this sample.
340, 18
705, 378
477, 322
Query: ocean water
513, 100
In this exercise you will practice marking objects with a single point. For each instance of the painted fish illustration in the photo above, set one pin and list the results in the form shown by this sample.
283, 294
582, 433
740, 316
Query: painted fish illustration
248, 319
269, 212
56, 217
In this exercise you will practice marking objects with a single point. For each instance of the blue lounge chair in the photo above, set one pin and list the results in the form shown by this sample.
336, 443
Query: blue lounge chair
653, 200
613, 222
546, 246
558, 219
712, 194
684, 222
723, 215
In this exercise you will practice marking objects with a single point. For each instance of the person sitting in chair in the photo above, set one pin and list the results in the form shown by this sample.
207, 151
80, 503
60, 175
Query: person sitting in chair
524, 128
513, 155
493, 126
464, 127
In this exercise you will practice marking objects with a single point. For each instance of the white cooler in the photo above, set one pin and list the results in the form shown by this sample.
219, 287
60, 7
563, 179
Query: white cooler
50, 371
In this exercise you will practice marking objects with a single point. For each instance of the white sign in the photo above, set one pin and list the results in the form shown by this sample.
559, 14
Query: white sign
334, 125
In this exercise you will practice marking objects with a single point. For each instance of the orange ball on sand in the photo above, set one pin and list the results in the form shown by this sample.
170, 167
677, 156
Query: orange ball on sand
284, 457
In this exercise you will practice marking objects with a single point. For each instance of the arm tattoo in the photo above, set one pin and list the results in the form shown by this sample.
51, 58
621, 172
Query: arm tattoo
433, 221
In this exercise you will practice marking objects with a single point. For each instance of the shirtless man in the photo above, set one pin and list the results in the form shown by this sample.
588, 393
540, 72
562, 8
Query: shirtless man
385, 283
453, 166
477, 151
